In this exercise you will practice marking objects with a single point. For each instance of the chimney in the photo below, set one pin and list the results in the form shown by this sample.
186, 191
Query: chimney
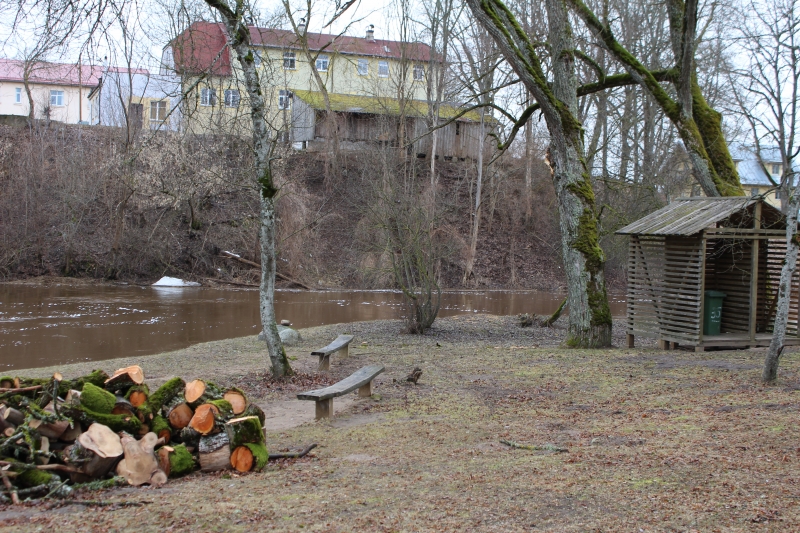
371, 33
301, 27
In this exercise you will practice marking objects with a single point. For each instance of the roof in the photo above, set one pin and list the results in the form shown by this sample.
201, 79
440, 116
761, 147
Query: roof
688, 216
751, 166
51, 73
383, 106
201, 47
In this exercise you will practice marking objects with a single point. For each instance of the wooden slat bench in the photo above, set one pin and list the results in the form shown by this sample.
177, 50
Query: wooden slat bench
340, 344
361, 379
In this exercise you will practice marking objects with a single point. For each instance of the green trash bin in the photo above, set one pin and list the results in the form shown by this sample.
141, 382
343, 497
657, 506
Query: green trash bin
712, 312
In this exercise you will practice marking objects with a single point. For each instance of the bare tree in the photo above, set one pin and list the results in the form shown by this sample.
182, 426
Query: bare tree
233, 17
768, 99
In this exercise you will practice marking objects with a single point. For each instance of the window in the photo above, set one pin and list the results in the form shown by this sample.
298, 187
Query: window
322, 63
419, 72
18, 95
257, 58
232, 98
383, 69
158, 110
776, 169
777, 194
458, 128
363, 67
56, 98
754, 191
285, 99
289, 61
208, 97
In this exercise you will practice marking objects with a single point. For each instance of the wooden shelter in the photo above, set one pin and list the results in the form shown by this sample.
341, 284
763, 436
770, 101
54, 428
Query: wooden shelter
735, 245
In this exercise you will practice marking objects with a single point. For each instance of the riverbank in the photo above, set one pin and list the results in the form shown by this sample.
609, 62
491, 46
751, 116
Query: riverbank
654, 440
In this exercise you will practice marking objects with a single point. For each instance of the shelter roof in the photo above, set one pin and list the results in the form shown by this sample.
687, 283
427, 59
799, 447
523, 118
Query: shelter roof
688, 216
375, 105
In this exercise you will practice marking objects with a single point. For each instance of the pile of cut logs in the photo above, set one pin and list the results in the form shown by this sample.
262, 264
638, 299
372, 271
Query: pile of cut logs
56, 432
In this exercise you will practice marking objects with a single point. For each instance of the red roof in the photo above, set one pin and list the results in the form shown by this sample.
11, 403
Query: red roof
198, 48
51, 73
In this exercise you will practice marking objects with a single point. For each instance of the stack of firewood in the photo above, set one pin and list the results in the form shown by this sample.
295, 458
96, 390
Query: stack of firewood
57, 432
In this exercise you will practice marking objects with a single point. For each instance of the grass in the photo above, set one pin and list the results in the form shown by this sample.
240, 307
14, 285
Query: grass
657, 441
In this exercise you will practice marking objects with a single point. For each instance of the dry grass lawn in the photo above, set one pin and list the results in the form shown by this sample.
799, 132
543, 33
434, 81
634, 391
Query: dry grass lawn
656, 441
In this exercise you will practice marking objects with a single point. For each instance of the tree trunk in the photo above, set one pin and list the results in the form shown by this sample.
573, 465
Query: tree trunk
589, 317
772, 360
263, 146
589, 313
476, 214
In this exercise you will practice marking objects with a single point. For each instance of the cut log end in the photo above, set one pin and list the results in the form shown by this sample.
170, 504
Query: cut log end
194, 390
137, 398
242, 459
237, 400
204, 418
180, 416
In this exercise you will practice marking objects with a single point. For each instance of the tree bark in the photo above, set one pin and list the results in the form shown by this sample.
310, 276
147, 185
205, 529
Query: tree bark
263, 146
589, 317
770, 372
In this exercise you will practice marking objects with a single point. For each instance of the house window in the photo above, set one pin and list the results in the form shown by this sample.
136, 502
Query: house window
18, 95
754, 191
289, 61
322, 63
776, 169
419, 72
232, 98
257, 58
56, 98
285, 99
158, 110
208, 97
383, 69
363, 67
458, 128
777, 194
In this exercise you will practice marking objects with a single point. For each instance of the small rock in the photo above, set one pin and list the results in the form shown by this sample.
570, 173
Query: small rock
289, 336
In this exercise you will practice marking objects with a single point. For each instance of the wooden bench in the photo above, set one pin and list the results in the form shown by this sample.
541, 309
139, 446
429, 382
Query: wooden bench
361, 379
340, 344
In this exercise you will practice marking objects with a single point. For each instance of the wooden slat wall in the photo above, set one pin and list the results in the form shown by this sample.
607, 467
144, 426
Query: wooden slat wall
775, 253
664, 281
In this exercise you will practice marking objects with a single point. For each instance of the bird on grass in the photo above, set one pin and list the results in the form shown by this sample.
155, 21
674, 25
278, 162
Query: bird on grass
414, 376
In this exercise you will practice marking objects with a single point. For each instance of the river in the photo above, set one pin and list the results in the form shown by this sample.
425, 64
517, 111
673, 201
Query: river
42, 326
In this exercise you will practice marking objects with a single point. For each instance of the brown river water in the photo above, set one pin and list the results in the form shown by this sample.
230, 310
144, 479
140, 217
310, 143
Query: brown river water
42, 326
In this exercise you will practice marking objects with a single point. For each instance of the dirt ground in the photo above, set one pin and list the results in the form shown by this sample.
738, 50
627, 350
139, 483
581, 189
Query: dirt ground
655, 440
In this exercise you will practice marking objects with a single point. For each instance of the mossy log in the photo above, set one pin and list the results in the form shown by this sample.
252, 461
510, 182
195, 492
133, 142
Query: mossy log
117, 423
34, 477
175, 461
161, 427
214, 452
165, 395
97, 400
254, 410
138, 395
250, 456
190, 437
96, 378
244, 430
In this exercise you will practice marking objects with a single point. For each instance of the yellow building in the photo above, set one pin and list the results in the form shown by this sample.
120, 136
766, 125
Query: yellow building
368, 81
